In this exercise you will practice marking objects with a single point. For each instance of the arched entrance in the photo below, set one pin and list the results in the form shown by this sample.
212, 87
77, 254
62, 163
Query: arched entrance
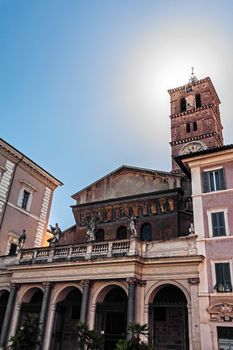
111, 316
4, 295
169, 319
32, 306
66, 317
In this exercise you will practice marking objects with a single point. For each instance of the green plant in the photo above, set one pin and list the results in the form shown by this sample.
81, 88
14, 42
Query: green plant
88, 339
27, 336
135, 343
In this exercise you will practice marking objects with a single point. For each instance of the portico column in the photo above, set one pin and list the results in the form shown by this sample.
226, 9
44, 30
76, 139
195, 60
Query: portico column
131, 303
8, 315
43, 313
85, 301
48, 335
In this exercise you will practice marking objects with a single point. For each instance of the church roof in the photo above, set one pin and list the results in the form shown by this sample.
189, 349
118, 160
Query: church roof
126, 167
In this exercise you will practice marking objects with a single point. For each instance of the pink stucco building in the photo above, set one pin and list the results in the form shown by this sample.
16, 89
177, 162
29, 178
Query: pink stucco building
212, 193
26, 192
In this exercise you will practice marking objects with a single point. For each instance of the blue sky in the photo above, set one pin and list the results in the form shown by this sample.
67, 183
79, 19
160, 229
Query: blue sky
83, 84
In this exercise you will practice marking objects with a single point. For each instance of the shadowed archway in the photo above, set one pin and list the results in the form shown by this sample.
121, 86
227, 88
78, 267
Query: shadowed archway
4, 296
111, 315
168, 319
66, 317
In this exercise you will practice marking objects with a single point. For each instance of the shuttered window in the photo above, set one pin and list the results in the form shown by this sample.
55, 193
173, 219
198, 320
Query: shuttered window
223, 277
218, 224
213, 180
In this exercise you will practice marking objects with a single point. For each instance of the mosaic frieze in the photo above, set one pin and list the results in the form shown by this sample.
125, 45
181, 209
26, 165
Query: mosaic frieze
121, 211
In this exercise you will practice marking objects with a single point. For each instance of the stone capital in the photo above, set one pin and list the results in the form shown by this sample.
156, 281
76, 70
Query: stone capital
136, 281
47, 285
15, 286
194, 280
85, 283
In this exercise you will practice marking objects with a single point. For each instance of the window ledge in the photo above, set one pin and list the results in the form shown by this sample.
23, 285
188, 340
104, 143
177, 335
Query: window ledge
221, 294
212, 192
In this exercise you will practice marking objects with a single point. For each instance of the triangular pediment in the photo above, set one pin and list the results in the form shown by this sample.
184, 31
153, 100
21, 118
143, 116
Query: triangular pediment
127, 181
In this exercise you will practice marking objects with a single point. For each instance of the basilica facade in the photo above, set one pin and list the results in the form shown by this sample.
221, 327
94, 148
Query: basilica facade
147, 246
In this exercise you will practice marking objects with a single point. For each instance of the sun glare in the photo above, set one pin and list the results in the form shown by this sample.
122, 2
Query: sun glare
164, 61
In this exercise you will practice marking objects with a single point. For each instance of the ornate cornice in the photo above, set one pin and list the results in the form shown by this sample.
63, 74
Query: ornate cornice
28, 164
193, 138
194, 110
201, 81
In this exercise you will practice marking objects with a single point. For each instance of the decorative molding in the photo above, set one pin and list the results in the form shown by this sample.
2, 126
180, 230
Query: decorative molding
28, 185
194, 138
221, 311
180, 88
191, 111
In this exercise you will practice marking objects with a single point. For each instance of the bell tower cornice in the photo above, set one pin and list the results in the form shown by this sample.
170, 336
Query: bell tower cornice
195, 117
198, 82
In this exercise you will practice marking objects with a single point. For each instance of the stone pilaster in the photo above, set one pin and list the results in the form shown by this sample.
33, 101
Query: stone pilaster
195, 319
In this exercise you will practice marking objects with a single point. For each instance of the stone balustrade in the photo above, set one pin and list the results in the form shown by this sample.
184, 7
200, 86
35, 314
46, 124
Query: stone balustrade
181, 246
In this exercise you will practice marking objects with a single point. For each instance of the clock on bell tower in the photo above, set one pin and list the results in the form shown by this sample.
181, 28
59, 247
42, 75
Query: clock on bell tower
195, 118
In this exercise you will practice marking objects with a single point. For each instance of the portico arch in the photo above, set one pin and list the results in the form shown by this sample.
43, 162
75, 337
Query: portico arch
67, 314
168, 317
111, 313
150, 294
31, 302
63, 291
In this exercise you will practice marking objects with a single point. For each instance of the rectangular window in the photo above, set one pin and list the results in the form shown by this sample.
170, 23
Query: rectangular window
188, 127
25, 199
225, 337
213, 180
194, 126
218, 224
223, 277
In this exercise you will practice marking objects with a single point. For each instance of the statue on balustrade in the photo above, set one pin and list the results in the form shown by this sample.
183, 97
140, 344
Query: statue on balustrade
91, 229
133, 227
22, 239
56, 232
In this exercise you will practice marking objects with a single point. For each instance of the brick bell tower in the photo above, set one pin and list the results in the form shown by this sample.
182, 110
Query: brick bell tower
195, 118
